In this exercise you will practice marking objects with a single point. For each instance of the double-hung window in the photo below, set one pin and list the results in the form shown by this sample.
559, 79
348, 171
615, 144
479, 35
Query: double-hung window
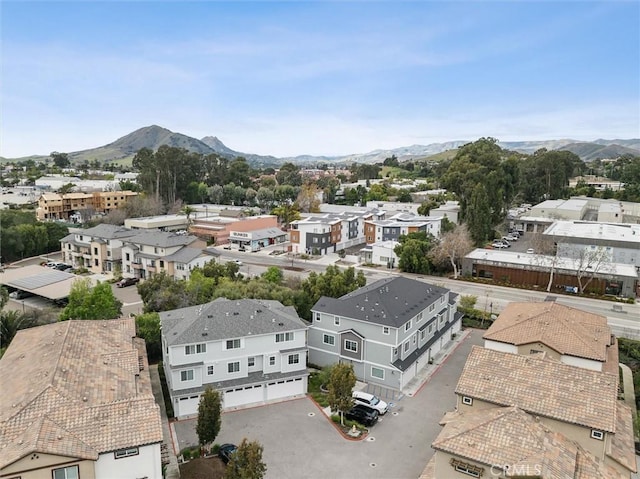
282, 337
294, 358
233, 343
329, 339
69, 472
186, 375
233, 367
351, 345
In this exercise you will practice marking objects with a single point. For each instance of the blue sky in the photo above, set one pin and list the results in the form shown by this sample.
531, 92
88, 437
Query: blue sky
323, 78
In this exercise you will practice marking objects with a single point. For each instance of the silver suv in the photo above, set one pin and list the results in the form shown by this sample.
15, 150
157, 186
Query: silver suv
374, 402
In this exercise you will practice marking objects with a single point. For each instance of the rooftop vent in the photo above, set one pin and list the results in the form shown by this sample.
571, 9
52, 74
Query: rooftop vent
235, 313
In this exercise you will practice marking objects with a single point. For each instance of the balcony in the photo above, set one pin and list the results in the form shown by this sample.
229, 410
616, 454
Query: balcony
136, 265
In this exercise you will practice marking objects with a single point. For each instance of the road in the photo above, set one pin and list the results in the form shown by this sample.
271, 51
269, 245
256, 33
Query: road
624, 321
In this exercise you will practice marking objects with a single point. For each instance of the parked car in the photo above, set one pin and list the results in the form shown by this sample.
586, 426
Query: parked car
530, 251
370, 400
19, 294
499, 245
124, 282
362, 414
226, 451
511, 238
238, 262
63, 267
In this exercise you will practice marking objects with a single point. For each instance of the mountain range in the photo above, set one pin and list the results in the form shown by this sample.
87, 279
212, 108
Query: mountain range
154, 136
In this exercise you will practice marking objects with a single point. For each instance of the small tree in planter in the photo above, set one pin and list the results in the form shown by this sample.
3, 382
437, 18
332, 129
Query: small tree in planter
341, 383
209, 412
246, 462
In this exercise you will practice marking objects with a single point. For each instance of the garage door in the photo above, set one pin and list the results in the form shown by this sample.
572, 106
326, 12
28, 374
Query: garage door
187, 406
280, 389
242, 396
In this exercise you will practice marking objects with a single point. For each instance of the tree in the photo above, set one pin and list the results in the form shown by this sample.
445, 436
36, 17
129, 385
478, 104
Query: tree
289, 174
187, 211
286, 213
478, 217
61, 160
148, 328
209, 416
273, 274
341, 384
86, 302
588, 262
452, 247
66, 188
308, 201
246, 462
332, 283
545, 255
468, 301
413, 252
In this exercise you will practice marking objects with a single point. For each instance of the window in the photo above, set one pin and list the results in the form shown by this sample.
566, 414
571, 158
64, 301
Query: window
201, 348
95, 250
422, 334
210, 370
407, 326
195, 348
272, 360
415, 336
251, 362
467, 400
377, 372
294, 358
419, 317
405, 348
282, 337
318, 317
70, 472
385, 329
186, 375
233, 343
430, 328
350, 345
132, 451
595, 434
336, 320
432, 307
329, 339
534, 351
233, 367
468, 469
162, 264
395, 352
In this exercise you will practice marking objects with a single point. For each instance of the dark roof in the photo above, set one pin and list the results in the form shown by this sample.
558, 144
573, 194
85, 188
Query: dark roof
226, 319
389, 302
186, 255
107, 231
161, 239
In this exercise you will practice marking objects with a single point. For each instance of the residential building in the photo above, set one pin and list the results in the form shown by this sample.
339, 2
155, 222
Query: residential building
534, 270
565, 334
579, 403
400, 224
330, 232
77, 403
380, 254
55, 206
506, 442
98, 249
252, 351
152, 252
387, 330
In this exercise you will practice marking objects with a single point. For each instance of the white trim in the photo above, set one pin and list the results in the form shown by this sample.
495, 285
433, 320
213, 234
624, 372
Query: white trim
376, 377
597, 434
351, 341
467, 400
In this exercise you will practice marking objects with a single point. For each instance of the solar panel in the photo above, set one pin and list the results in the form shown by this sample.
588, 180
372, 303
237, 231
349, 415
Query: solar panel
45, 279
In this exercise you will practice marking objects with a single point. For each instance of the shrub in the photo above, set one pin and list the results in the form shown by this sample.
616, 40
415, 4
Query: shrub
165, 391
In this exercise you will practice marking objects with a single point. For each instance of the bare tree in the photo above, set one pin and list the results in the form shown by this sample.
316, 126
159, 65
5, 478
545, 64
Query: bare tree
588, 262
544, 247
452, 247
308, 199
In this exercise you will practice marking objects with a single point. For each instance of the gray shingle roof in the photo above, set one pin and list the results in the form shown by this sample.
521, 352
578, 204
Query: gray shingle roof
225, 319
186, 255
161, 239
389, 302
107, 231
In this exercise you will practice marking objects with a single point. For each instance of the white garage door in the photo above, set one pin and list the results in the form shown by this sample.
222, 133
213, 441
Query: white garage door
187, 406
284, 388
242, 396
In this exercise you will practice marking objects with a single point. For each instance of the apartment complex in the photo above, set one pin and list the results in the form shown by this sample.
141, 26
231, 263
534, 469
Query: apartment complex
55, 206
387, 330
252, 351
330, 232
77, 403
377, 230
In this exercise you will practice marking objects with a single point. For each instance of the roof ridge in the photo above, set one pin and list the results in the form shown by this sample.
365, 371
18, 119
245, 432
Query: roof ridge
588, 345
59, 356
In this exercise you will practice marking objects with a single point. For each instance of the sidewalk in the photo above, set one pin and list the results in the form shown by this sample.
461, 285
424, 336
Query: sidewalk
172, 471
429, 370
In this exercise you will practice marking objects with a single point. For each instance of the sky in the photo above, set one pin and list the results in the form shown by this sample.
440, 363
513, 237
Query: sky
317, 77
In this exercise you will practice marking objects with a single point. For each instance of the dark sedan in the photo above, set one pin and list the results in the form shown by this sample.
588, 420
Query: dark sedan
363, 414
124, 282
226, 451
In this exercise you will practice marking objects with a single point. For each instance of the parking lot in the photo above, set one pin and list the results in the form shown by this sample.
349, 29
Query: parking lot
301, 442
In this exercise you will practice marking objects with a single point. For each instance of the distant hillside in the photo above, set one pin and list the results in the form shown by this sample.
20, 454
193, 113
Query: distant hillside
593, 151
123, 149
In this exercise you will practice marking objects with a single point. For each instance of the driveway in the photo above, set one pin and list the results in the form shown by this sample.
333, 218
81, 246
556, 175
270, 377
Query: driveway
300, 442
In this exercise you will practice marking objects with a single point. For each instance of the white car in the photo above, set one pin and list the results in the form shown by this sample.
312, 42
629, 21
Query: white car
370, 400
238, 262
499, 245
530, 251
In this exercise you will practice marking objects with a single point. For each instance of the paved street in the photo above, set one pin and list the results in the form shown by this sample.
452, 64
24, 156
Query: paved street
300, 442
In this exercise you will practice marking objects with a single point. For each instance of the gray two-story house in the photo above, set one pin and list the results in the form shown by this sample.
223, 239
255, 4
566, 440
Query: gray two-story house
252, 351
387, 330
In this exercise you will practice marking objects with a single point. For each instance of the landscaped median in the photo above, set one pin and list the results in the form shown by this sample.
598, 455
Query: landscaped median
351, 430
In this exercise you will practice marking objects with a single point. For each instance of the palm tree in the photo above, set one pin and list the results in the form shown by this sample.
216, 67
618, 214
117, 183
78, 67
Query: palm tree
188, 211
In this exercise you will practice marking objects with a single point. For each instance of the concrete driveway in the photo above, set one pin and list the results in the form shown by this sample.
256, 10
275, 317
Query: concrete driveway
300, 442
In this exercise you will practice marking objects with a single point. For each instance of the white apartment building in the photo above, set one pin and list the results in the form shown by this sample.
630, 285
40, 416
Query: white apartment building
252, 351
